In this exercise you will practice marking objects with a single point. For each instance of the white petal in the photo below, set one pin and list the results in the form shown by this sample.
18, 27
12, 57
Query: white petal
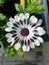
17, 46
26, 16
9, 29
37, 43
25, 48
12, 20
33, 19
21, 16
32, 45
16, 18
10, 24
39, 22
12, 43
10, 39
8, 35
40, 30
40, 39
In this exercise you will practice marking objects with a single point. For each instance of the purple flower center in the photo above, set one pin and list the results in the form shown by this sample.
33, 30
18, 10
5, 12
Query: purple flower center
24, 32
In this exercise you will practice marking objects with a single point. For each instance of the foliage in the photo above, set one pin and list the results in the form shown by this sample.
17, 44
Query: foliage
2, 17
33, 6
10, 51
18, 8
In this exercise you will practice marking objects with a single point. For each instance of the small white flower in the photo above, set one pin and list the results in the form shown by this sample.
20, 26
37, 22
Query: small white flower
25, 34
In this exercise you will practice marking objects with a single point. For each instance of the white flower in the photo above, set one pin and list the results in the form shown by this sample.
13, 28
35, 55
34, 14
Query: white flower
24, 31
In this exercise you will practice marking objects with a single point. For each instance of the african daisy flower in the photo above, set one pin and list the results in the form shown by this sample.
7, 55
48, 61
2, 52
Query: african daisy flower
24, 32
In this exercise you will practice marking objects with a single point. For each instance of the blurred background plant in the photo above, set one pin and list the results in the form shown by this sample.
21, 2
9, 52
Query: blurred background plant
2, 2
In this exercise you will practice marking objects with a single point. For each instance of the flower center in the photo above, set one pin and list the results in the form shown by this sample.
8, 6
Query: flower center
24, 32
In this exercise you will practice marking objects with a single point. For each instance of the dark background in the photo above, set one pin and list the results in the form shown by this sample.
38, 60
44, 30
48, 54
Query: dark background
8, 7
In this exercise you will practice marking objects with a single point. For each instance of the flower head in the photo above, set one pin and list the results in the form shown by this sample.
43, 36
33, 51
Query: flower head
24, 31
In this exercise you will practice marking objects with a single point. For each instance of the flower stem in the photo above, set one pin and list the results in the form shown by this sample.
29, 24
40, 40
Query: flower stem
22, 3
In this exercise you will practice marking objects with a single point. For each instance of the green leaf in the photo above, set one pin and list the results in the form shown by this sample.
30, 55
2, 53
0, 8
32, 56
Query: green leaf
33, 2
30, 9
2, 17
21, 55
34, 6
10, 51
28, 2
2, 1
40, 9
18, 8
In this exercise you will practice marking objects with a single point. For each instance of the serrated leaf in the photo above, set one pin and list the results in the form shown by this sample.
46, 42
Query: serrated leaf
18, 8
2, 17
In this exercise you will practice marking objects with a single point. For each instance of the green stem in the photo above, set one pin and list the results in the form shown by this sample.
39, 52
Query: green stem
22, 3
2, 38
